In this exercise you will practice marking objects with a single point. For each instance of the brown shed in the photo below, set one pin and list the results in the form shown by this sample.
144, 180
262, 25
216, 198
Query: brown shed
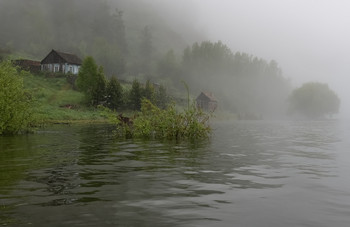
29, 65
206, 101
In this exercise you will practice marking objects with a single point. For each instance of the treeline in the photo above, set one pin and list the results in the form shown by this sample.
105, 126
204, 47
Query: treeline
110, 93
244, 84
133, 40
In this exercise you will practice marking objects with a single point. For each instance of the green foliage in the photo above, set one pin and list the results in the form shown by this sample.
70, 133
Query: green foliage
16, 113
153, 122
207, 59
314, 100
114, 94
157, 96
99, 93
135, 95
162, 98
92, 82
55, 101
148, 91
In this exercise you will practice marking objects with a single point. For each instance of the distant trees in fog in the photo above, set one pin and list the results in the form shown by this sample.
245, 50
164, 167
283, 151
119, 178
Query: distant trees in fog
314, 100
136, 44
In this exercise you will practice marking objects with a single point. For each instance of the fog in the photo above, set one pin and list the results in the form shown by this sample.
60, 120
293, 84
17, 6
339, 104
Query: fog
308, 38
273, 45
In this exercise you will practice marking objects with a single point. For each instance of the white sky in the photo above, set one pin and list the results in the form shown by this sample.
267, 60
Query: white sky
310, 39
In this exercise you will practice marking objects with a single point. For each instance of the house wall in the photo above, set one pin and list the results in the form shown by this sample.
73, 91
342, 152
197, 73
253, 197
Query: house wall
55, 63
64, 68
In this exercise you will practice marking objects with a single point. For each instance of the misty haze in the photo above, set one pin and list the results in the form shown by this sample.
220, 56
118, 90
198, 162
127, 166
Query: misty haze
174, 113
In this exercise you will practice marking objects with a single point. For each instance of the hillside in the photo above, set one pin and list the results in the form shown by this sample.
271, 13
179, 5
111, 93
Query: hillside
56, 101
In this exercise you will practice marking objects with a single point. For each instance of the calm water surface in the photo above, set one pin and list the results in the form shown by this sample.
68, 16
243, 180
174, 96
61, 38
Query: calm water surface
249, 174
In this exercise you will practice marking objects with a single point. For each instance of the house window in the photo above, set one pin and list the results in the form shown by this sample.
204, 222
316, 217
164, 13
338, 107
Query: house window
70, 69
56, 69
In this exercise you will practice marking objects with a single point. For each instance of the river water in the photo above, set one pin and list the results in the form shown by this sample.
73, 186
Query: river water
250, 173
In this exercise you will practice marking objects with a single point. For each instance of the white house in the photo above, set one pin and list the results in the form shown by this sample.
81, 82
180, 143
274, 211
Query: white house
57, 61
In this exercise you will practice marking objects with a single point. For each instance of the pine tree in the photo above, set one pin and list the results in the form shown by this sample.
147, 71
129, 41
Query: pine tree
148, 92
135, 95
92, 82
114, 94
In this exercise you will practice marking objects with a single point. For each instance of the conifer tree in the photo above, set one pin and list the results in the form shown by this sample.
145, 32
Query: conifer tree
92, 82
114, 92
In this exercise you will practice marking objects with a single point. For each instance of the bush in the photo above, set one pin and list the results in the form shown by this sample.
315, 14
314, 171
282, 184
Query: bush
153, 122
15, 103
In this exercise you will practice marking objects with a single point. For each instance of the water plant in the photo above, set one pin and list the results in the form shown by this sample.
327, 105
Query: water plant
155, 123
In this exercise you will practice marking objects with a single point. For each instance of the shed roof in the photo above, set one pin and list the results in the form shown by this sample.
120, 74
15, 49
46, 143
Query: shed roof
26, 62
207, 95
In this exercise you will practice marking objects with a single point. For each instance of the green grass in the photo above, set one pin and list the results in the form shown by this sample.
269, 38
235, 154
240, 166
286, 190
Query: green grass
57, 102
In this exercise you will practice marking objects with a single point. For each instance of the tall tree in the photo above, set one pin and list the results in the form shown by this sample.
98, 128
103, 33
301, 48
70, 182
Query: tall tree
148, 91
146, 51
135, 95
119, 30
91, 81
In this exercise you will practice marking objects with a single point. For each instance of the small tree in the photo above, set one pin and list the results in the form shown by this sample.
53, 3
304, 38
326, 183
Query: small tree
162, 98
15, 102
135, 95
92, 82
99, 93
314, 100
114, 94
148, 92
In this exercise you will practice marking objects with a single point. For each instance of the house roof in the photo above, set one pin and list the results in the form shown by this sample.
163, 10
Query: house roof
67, 57
70, 58
207, 95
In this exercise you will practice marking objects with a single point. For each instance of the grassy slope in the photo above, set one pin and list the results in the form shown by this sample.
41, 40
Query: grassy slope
52, 94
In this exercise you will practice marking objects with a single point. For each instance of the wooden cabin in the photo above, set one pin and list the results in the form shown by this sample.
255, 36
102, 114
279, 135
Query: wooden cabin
57, 61
206, 101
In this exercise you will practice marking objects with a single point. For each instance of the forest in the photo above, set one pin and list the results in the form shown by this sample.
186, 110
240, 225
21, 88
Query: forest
143, 40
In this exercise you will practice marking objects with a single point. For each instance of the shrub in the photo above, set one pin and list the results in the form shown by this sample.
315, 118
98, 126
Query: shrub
153, 122
15, 103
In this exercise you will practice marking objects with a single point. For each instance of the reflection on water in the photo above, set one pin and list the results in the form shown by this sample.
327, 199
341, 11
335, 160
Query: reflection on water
248, 174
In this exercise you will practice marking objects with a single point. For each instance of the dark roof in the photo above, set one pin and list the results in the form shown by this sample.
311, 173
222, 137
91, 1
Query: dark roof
207, 95
70, 58
66, 57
